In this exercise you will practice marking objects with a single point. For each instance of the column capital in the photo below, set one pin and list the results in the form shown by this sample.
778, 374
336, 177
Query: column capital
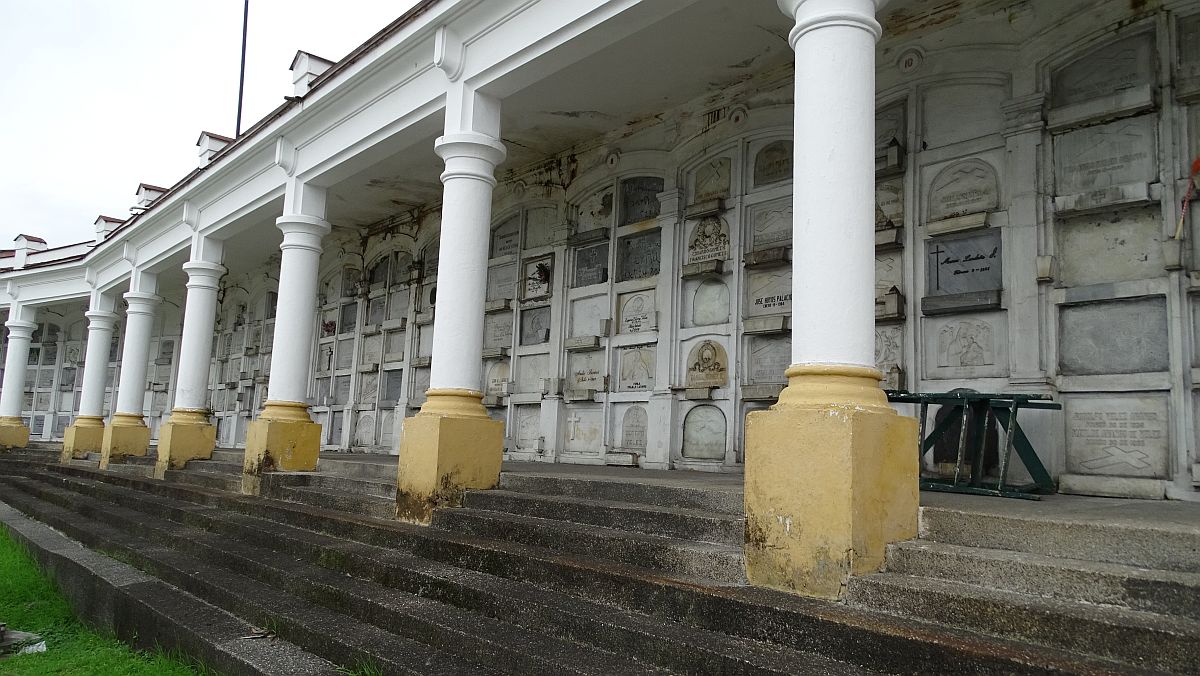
302, 232
101, 319
141, 302
19, 328
813, 14
203, 274
470, 155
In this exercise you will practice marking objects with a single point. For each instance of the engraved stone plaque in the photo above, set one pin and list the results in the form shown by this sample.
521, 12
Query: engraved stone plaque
595, 211
1104, 72
889, 203
539, 226
539, 275
585, 371
633, 429
768, 292
889, 272
890, 124
1104, 156
1118, 434
393, 384
535, 326
498, 330
372, 350
420, 383
709, 240
502, 282
584, 430
707, 365
710, 303
1110, 247
531, 370
770, 357
506, 237
639, 199
771, 225
591, 265
637, 368
967, 187
529, 419
964, 263
773, 163
1119, 336
636, 311
638, 255
588, 316
425, 340
963, 346
712, 180
364, 429
889, 347
704, 434
495, 380
368, 387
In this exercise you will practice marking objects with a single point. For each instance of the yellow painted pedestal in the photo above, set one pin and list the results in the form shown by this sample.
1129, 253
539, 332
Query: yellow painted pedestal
186, 435
283, 438
85, 435
831, 480
450, 446
126, 434
13, 433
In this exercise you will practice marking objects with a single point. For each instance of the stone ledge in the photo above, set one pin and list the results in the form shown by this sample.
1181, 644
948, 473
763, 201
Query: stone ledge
1112, 487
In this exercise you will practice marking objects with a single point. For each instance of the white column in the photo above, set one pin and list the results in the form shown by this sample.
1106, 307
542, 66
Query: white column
95, 362
195, 347
291, 351
833, 245
20, 333
139, 325
471, 159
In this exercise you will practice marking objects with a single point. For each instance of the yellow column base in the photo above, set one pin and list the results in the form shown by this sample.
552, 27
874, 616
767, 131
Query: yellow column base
85, 435
831, 480
185, 436
447, 448
125, 435
283, 438
13, 433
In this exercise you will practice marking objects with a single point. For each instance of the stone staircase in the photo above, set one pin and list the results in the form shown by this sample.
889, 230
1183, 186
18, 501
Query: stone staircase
588, 580
1120, 589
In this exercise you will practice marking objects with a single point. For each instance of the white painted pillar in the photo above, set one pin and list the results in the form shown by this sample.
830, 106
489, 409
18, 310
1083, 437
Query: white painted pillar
833, 243
471, 158
195, 347
101, 321
20, 334
139, 326
291, 350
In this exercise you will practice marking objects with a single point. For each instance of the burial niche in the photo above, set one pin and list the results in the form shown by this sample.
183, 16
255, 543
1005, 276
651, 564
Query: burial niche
707, 365
704, 434
710, 304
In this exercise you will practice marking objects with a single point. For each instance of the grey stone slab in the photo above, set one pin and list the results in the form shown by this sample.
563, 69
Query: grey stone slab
1120, 336
964, 263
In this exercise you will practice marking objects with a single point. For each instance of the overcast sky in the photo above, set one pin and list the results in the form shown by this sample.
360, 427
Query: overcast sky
101, 95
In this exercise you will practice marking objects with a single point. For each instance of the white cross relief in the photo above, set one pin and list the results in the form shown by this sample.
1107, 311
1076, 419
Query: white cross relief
574, 420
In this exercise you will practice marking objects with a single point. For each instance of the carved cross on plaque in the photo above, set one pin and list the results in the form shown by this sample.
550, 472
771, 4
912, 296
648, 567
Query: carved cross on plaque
937, 252
574, 419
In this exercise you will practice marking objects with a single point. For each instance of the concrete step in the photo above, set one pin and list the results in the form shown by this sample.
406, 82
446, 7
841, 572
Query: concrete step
362, 466
1145, 640
147, 460
399, 554
1159, 545
684, 524
538, 612
1165, 592
236, 455
632, 489
215, 467
210, 480
378, 489
713, 563
138, 470
469, 636
327, 498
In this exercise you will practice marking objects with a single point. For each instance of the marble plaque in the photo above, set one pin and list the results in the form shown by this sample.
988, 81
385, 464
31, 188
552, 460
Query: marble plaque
595, 211
1118, 434
890, 124
341, 390
502, 282
364, 429
966, 346
889, 272
425, 340
1106, 71
633, 429
964, 263
398, 302
771, 225
506, 237
638, 255
498, 330
591, 265
637, 311
387, 427
711, 180
529, 422
889, 203
704, 434
1108, 155
393, 385
639, 199
958, 111
773, 163
345, 353
495, 379
588, 316
770, 357
636, 368
710, 303
368, 387
372, 350
394, 346
1119, 336
420, 383
539, 275
1110, 247
707, 365
768, 292
709, 240
584, 431
585, 371
889, 347
535, 326
531, 370
967, 187
539, 226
